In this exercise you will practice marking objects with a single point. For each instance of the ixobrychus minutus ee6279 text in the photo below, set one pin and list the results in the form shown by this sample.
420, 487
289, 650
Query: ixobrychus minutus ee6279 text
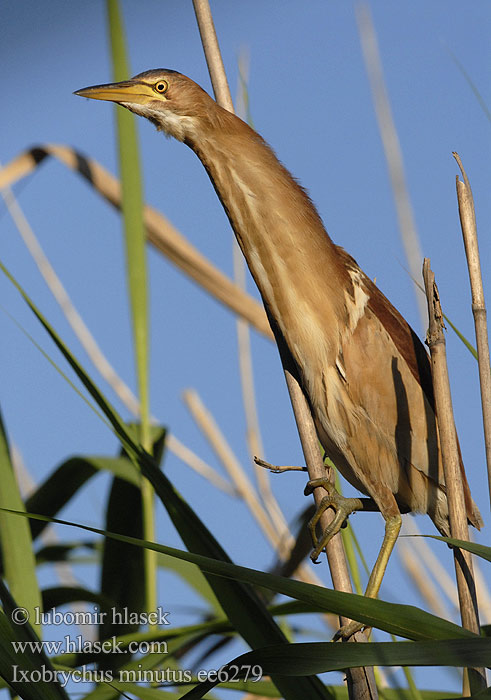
364, 371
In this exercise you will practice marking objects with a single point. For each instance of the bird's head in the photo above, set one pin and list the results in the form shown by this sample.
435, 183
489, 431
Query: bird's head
173, 102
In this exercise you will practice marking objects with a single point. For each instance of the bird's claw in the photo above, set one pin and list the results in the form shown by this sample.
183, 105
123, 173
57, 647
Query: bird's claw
342, 506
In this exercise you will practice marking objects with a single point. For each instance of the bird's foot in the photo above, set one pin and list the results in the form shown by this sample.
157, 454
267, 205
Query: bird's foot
347, 631
342, 506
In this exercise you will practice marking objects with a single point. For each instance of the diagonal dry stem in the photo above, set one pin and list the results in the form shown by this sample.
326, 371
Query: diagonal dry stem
160, 232
186, 455
59, 292
281, 540
89, 343
239, 478
419, 575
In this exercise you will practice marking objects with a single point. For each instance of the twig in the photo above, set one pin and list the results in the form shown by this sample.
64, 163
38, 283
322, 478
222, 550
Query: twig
275, 469
469, 232
451, 465
361, 682
213, 54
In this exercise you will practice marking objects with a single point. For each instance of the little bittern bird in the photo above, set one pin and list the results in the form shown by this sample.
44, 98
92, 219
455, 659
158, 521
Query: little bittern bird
365, 373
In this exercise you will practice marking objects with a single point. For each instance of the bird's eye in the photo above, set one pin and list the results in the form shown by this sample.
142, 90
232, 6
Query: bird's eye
161, 86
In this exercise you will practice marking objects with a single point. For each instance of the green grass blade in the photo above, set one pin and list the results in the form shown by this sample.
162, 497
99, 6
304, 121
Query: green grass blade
243, 607
56, 596
68, 478
472, 85
462, 337
479, 550
68, 552
136, 268
71, 660
109, 411
19, 564
121, 578
319, 657
132, 200
41, 683
403, 620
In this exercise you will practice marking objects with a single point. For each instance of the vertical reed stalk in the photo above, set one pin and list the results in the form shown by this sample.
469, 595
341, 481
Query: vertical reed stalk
469, 233
392, 146
361, 682
451, 465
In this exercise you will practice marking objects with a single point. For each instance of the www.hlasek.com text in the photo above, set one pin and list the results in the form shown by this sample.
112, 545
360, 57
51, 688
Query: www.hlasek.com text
79, 645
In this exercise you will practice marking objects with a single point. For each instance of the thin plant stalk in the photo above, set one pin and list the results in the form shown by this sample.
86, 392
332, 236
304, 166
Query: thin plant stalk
78, 325
18, 560
418, 574
392, 147
361, 682
246, 489
91, 347
451, 465
132, 199
254, 440
160, 232
469, 232
428, 559
281, 539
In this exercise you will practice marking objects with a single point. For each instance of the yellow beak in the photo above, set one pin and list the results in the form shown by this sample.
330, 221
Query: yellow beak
127, 91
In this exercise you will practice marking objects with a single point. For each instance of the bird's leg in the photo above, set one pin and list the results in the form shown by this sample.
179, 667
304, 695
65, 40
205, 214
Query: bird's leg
392, 528
342, 506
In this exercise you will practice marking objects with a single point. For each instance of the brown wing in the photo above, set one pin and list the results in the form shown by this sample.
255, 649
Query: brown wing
416, 357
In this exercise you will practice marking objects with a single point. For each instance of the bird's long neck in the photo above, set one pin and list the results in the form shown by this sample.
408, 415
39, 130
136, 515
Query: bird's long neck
276, 225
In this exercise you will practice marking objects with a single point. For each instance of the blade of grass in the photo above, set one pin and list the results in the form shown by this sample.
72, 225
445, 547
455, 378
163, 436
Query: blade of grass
19, 564
403, 620
41, 682
136, 268
68, 478
121, 580
110, 412
319, 657
479, 550
240, 603
132, 208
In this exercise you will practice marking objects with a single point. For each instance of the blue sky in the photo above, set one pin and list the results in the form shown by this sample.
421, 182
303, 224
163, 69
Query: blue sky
310, 99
